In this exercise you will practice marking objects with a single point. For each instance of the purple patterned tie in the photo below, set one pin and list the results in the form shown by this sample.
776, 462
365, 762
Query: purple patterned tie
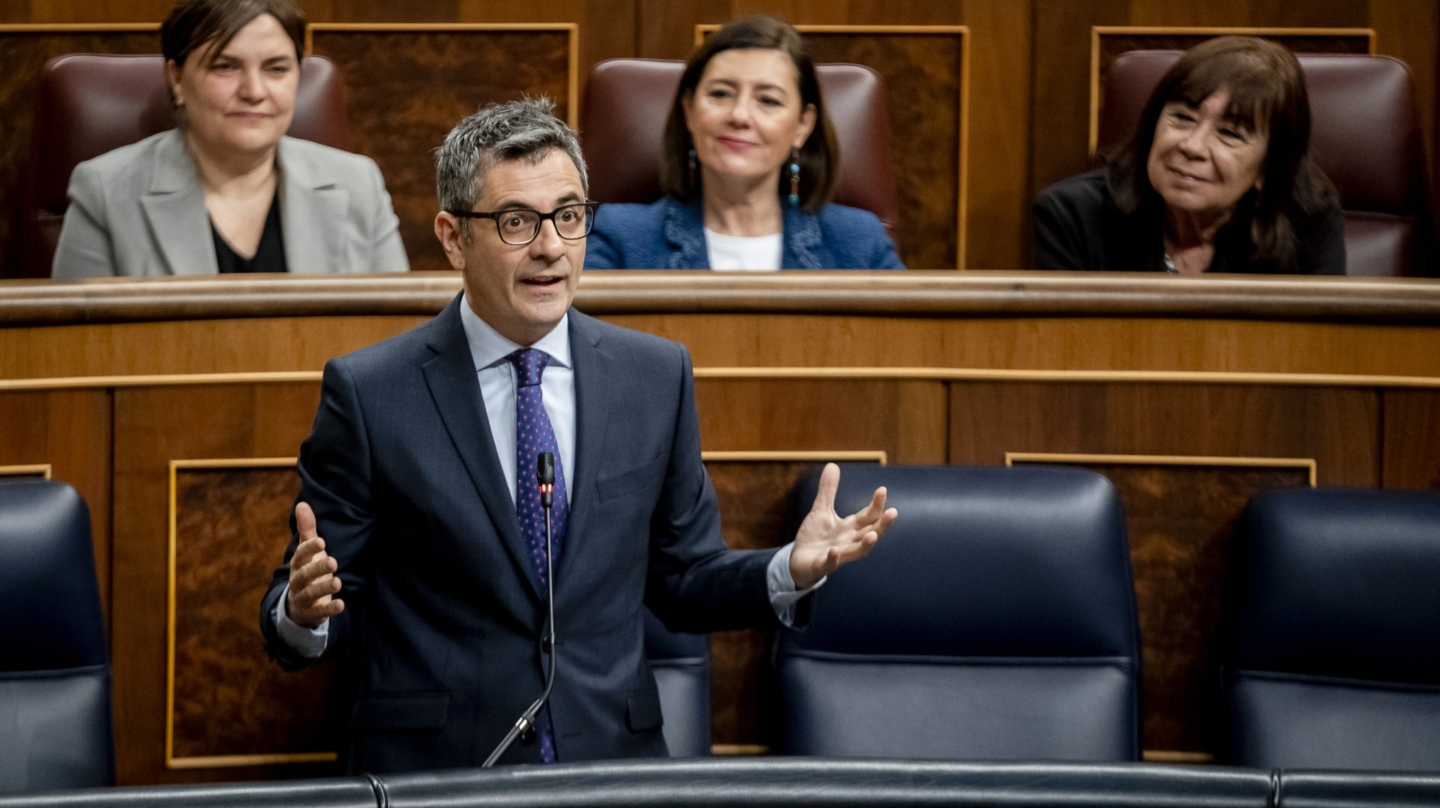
533, 435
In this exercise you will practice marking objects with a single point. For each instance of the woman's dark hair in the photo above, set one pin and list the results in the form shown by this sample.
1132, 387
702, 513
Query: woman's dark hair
818, 156
192, 24
1267, 95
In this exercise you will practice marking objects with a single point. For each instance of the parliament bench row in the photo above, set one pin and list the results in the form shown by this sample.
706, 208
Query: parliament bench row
996, 621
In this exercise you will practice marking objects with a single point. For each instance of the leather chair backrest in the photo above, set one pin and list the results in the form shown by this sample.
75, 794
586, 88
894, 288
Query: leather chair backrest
88, 104
55, 726
1333, 656
681, 664
995, 621
622, 124
1365, 135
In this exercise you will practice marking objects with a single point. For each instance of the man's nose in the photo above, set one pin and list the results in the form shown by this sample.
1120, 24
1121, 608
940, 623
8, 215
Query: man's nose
547, 244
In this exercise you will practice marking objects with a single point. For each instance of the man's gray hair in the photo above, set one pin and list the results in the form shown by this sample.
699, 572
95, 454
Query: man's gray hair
517, 130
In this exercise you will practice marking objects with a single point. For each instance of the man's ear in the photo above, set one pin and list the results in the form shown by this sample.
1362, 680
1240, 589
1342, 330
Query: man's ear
452, 238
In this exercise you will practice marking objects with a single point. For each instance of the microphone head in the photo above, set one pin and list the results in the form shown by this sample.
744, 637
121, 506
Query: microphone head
545, 468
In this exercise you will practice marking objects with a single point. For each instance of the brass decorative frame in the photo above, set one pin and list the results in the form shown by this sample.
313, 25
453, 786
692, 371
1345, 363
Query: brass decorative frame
1099, 31
962, 204
79, 28
1307, 463
572, 102
30, 470
211, 761
877, 455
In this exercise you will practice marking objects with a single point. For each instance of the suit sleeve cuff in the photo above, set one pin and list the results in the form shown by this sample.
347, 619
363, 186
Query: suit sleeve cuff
307, 642
781, 587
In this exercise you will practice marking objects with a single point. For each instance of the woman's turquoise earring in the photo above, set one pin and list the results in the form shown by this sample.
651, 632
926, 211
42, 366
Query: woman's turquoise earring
692, 166
794, 178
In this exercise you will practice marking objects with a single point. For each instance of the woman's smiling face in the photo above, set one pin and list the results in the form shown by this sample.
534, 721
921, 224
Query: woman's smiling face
1201, 160
746, 113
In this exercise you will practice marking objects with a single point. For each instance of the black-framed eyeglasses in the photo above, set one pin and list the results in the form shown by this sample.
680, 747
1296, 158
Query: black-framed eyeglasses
519, 226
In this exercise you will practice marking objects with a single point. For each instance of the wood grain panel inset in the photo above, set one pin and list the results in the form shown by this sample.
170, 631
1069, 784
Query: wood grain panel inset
408, 88
754, 511
1108, 42
24, 49
1411, 447
905, 419
1180, 520
230, 703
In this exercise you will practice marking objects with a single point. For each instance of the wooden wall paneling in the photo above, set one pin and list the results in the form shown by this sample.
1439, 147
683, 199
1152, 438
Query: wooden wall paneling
213, 346
24, 49
153, 427
926, 72
1411, 439
227, 704
1060, 100
1180, 513
998, 135
905, 419
409, 84
607, 30
69, 432
1108, 42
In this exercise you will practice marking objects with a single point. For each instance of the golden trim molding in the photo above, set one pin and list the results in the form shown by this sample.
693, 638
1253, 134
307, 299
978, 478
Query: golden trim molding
79, 28
1098, 31
1307, 463
808, 374
211, 761
26, 470
963, 181
875, 455
572, 103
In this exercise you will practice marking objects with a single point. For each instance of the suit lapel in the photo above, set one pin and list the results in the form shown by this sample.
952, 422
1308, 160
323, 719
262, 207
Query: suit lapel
311, 209
174, 207
455, 389
592, 411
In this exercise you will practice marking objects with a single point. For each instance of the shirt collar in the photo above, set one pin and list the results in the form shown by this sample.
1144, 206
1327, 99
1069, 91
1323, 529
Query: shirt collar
489, 348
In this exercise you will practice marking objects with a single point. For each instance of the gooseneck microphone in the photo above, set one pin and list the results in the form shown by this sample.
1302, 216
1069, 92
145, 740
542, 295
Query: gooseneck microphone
525, 725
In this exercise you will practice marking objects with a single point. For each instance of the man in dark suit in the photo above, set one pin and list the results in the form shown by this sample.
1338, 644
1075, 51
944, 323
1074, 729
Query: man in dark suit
418, 553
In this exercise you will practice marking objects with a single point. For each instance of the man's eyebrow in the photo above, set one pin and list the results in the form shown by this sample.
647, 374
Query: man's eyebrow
511, 204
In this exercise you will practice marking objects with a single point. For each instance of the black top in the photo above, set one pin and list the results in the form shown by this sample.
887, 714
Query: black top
269, 255
1078, 226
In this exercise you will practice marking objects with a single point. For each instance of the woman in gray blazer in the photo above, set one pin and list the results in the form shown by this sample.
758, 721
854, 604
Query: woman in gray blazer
226, 191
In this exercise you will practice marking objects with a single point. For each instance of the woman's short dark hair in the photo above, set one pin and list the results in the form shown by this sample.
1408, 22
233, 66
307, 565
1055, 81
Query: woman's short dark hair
1267, 95
818, 156
193, 24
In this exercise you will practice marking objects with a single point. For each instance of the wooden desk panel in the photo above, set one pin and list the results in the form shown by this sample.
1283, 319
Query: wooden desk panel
109, 382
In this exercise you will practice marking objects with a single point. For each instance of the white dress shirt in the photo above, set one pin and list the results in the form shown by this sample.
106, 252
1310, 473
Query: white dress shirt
496, 374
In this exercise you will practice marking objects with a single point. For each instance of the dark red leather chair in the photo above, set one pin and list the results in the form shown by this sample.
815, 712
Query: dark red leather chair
622, 123
1365, 134
88, 104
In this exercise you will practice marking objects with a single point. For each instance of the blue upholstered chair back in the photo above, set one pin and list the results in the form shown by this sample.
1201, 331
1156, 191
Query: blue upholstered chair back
996, 621
55, 729
681, 663
1333, 656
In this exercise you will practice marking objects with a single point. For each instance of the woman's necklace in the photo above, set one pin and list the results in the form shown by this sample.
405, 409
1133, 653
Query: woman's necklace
1170, 265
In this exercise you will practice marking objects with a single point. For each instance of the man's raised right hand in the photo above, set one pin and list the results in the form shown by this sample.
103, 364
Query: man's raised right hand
313, 584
